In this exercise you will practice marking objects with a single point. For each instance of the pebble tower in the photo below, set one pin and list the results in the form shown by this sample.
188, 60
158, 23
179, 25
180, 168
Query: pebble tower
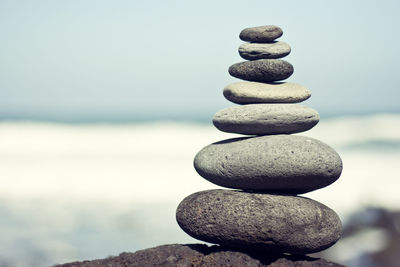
268, 168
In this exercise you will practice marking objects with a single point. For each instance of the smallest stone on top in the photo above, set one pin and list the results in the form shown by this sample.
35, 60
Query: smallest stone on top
261, 34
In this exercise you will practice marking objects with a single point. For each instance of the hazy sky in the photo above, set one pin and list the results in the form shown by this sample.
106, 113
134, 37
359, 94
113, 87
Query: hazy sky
119, 59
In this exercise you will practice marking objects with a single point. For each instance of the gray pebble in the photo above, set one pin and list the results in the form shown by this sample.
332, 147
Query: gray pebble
262, 119
286, 164
262, 70
253, 51
261, 34
259, 221
254, 92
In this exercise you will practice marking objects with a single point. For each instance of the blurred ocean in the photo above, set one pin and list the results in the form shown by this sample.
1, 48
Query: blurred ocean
84, 191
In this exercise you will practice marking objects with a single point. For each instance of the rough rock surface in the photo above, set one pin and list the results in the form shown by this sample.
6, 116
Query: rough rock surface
262, 222
253, 51
199, 255
254, 92
261, 34
287, 164
262, 70
262, 119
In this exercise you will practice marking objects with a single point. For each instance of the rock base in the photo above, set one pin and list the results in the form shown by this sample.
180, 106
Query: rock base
195, 255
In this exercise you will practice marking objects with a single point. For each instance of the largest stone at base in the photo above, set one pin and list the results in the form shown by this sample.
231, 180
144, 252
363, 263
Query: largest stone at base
261, 222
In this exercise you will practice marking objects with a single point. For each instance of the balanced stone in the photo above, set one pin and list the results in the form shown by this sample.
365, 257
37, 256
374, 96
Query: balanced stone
262, 70
262, 119
254, 92
286, 164
259, 221
261, 34
252, 51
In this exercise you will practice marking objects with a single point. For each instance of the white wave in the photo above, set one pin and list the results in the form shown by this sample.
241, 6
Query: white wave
344, 131
145, 162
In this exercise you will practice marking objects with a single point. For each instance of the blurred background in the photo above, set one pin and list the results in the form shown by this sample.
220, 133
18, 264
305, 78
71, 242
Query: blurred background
104, 104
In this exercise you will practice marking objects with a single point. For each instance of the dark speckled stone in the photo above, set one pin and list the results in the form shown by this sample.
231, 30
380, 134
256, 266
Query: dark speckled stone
262, 70
254, 221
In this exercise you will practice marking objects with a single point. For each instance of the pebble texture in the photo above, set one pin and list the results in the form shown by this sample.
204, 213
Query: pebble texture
260, 222
254, 92
261, 34
253, 51
200, 255
262, 119
262, 70
286, 164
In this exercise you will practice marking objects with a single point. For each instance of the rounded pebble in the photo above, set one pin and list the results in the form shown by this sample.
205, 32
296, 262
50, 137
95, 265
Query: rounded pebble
254, 221
261, 34
254, 92
253, 51
262, 119
285, 164
262, 70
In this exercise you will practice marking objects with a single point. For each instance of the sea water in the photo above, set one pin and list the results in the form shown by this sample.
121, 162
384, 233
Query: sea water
84, 191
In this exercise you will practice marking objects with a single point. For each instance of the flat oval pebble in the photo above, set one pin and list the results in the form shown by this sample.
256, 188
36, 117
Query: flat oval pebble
254, 92
254, 221
286, 164
262, 70
261, 34
253, 51
262, 119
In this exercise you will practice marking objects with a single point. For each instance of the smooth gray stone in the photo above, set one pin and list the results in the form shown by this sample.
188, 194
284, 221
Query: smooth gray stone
255, 221
262, 119
286, 164
254, 92
261, 34
253, 51
262, 70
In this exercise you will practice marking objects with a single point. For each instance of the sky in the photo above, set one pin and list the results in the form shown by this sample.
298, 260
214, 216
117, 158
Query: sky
124, 60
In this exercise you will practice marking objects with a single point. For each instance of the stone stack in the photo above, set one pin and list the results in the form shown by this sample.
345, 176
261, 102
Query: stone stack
267, 169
